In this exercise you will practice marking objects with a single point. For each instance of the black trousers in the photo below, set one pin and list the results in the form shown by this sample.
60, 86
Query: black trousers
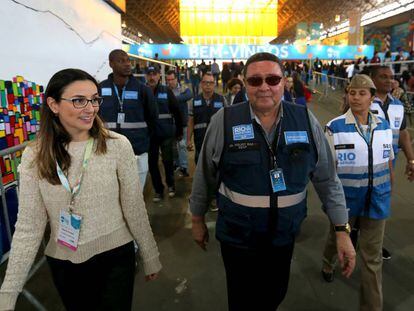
166, 146
104, 282
249, 273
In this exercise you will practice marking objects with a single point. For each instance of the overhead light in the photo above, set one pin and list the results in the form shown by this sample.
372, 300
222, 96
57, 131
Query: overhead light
139, 34
321, 26
150, 41
337, 18
123, 25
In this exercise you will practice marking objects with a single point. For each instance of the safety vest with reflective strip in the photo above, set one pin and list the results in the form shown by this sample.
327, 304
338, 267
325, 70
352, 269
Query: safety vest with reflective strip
164, 126
250, 214
202, 114
134, 126
394, 116
363, 169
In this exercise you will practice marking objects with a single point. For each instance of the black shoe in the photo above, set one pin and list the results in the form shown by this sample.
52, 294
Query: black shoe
157, 197
328, 276
386, 255
184, 172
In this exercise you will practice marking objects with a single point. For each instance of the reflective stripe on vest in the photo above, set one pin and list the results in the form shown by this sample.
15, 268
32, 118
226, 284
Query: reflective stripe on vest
200, 126
261, 201
164, 116
127, 125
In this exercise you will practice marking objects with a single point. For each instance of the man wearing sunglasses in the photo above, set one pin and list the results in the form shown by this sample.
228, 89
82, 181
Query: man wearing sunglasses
260, 156
128, 108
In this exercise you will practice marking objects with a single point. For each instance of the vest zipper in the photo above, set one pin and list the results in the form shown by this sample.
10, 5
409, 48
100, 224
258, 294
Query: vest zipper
370, 175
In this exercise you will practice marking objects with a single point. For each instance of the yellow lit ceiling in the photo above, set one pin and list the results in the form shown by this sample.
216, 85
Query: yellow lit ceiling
228, 21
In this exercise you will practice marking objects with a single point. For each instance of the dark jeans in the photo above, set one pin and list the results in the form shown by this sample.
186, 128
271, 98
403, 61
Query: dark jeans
167, 154
104, 282
249, 273
195, 86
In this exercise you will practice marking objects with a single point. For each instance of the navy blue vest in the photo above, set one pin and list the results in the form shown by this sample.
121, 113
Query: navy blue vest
134, 127
202, 115
164, 126
250, 214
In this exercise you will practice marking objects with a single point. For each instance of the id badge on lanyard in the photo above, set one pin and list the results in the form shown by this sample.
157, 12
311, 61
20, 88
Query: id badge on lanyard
69, 229
69, 222
277, 180
121, 114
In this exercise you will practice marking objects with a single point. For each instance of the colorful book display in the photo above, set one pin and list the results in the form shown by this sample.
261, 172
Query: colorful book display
20, 102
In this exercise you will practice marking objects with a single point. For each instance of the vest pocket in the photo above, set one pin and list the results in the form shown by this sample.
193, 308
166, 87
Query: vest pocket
247, 157
233, 225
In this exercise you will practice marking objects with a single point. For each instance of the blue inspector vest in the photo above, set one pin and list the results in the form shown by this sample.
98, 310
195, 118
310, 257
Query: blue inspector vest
250, 214
202, 114
134, 126
164, 126
363, 169
394, 116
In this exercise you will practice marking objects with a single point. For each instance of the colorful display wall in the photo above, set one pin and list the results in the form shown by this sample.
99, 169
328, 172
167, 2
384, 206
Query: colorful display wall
20, 102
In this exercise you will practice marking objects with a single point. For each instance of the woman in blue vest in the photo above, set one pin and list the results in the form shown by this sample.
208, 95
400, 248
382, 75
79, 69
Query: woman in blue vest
362, 146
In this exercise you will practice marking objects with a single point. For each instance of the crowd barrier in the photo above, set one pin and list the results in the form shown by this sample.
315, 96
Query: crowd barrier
8, 215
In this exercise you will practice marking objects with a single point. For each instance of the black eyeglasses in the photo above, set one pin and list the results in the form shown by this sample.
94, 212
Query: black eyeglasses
258, 81
82, 102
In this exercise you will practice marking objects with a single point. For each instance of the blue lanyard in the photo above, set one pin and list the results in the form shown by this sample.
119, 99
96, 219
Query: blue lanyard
365, 134
120, 100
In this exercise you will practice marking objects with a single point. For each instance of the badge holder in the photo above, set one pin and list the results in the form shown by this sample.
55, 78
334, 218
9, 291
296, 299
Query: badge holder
69, 229
121, 117
277, 180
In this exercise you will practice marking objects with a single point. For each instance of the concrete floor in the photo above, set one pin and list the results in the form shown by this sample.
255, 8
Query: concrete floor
192, 279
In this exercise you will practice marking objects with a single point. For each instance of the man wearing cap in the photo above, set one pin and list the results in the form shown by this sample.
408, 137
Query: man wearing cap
129, 108
168, 128
258, 158
361, 144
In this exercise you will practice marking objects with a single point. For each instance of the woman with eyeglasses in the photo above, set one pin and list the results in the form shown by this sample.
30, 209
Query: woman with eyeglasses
77, 176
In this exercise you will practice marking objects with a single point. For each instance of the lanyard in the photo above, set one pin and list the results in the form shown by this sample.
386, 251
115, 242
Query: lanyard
365, 134
64, 180
269, 145
120, 99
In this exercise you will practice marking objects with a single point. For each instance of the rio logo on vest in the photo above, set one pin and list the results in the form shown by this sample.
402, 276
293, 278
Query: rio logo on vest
243, 131
346, 157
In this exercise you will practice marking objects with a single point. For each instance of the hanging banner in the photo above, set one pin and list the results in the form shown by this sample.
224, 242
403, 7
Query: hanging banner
315, 32
301, 31
183, 51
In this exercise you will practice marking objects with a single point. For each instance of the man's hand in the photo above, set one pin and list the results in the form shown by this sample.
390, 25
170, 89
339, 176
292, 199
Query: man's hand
409, 171
151, 277
189, 146
200, 232
346, 253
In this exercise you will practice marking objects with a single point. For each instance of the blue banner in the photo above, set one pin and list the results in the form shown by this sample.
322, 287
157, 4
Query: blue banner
183, 51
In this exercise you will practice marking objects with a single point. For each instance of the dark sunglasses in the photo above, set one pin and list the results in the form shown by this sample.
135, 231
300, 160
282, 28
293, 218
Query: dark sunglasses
258, 81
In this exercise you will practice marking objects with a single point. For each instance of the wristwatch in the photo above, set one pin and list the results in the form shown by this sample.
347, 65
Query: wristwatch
345, 227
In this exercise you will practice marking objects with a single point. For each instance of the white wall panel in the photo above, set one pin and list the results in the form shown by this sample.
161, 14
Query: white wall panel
40, 37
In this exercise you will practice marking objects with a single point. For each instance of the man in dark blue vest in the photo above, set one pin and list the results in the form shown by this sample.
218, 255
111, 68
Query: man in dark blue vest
204, 106
128, 108
258, 157
168, 127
